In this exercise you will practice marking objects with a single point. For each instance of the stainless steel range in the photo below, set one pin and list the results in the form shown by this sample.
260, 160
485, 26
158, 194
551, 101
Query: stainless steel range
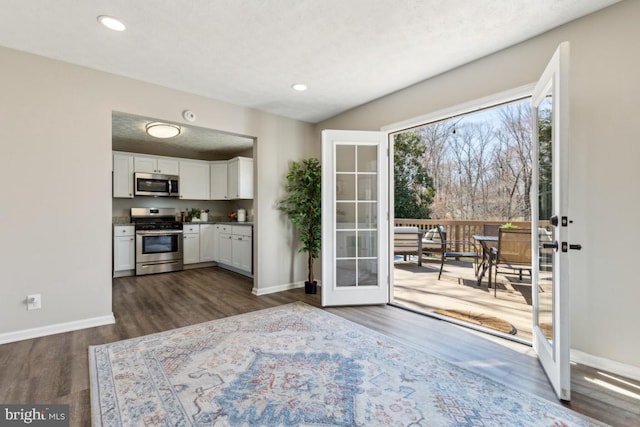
158, 240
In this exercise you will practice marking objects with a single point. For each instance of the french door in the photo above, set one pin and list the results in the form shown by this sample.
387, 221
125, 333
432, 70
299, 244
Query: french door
355, 223
551, 223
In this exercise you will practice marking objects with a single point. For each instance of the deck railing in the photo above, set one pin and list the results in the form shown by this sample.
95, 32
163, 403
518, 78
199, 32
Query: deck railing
458, 229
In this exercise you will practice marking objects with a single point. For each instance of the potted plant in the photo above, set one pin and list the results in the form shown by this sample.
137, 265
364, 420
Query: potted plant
193, 213
509, 226
302, 204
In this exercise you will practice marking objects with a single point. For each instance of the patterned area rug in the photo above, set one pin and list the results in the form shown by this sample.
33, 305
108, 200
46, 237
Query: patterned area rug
296, 365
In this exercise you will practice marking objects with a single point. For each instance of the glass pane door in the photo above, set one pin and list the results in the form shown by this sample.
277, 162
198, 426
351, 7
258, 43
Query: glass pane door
550, 223
355, 227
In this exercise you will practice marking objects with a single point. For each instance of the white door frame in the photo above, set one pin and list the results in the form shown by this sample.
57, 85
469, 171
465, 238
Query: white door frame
355, 249
554, 354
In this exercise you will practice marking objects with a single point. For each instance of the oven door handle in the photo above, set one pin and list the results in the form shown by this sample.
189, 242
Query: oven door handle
157, 232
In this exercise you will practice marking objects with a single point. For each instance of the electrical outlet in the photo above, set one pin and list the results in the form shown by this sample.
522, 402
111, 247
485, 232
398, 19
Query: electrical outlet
34, 302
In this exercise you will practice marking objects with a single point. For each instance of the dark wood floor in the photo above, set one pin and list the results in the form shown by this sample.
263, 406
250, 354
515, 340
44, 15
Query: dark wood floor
54, 369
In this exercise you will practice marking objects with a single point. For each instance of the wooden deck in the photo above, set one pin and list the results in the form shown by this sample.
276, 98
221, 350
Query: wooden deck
418, 288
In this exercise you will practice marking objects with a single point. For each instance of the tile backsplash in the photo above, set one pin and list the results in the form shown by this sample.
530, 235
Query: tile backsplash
218, 209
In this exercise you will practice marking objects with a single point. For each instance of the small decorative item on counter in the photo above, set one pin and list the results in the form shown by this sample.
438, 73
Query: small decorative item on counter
193, 214
232, 215
204, 215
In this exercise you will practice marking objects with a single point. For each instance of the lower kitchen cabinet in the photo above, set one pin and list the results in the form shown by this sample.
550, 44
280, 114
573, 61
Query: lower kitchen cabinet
235, 247
225, 248
124, 249
191, 244
241, 251
231, 246
207, 242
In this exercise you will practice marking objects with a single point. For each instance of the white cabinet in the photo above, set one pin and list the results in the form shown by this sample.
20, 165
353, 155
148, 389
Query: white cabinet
191, 244
124, 248
218, 229
222, 249
218, 184
207, 242
240, 178
199, 180
242, 256
122, 175
225, 248
194, 180
235, 246
153, 164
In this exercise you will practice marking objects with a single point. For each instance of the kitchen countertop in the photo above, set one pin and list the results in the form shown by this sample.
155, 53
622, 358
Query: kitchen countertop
122, 223
219, 222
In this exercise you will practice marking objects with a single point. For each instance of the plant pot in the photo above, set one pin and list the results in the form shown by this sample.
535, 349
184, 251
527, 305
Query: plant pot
311, 287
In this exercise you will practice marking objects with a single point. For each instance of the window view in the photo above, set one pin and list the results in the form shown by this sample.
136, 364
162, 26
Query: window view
462, 237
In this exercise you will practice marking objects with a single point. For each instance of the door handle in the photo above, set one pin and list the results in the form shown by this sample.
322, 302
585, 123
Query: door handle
554, 221
553, 245
566, 246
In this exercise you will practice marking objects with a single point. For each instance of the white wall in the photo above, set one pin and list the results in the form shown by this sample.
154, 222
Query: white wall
604, 163
56, 201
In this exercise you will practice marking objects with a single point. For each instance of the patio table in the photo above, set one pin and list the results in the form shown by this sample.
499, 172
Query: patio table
485, 242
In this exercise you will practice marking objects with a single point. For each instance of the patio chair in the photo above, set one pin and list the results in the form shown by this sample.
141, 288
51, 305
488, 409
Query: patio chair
450, 249
407, 241
513, 252
431, 242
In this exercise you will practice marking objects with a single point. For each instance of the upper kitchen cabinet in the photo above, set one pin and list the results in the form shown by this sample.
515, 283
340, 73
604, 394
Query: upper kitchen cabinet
122, 175
218, 185
240, 178
194, 180
152, 164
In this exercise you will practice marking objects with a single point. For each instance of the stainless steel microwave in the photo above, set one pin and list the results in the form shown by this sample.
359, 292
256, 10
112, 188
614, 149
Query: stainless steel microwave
152, 184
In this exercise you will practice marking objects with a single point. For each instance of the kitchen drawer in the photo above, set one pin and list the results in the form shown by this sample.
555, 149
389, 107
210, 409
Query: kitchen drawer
191, 229
223, 228
242, 230
123, 230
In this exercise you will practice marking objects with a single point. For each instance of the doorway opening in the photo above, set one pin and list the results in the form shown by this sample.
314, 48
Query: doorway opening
458, 178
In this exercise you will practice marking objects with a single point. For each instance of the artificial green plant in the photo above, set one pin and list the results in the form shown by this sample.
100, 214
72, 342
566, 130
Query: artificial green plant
302, 204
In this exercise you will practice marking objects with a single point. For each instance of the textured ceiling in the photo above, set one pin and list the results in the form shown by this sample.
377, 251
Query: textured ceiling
128, 134
250, 52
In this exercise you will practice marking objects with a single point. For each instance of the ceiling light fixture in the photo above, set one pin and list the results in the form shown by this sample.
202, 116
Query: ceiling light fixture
111, 23
162, 130
299, 87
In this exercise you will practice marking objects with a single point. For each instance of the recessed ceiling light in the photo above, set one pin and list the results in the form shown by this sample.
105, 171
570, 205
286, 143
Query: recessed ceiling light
299, 87
111, 23
162, 130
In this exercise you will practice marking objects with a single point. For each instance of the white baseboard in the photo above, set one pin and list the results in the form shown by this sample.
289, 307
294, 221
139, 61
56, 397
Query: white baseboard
58, 328
629, 371
279, 288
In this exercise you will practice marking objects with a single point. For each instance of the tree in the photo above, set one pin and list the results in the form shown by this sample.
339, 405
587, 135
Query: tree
545, 159
413, 188
516, 120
